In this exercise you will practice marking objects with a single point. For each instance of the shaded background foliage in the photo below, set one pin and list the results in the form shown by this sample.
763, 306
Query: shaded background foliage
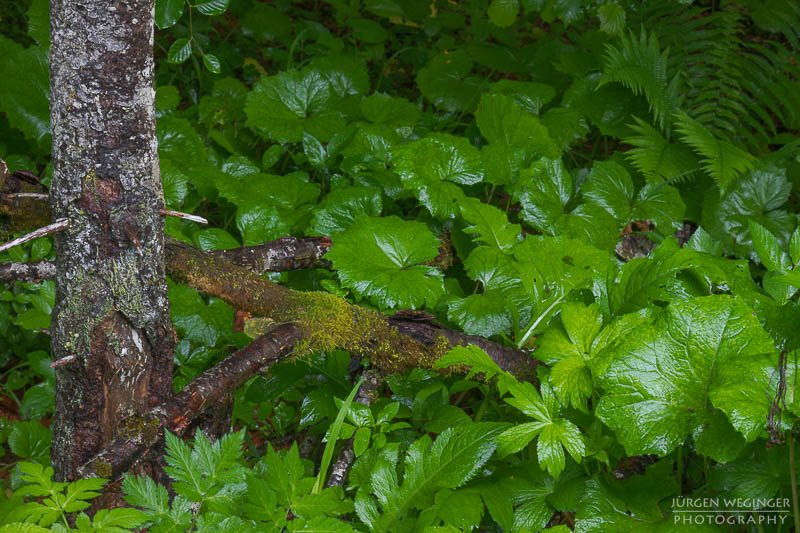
550, 143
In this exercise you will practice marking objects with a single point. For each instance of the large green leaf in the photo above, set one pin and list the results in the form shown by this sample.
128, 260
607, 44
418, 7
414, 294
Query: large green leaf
502, 120
285, 105
341, 208
24, 94
704, 354
489, 224
383, 259
432, 167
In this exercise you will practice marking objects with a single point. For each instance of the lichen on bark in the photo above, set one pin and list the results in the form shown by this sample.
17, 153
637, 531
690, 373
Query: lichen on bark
111, 306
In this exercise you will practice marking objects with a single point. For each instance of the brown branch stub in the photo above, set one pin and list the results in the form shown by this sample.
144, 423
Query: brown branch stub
280, 255
37, 271
58, 225
180, 214
140, 433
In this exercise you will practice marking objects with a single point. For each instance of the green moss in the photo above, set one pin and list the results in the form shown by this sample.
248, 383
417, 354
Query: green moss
138, 428
101, 468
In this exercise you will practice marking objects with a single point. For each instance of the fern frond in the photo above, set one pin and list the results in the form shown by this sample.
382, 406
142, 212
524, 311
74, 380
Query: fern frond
659, 159
641, 65
777, 16
723, 161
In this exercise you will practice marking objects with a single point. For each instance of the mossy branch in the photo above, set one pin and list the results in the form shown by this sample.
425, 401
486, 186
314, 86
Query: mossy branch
328, 322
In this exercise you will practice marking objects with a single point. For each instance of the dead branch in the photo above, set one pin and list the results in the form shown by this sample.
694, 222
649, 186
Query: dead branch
58, 225
181, 214
38, 271
286, 253
140, 433
328, 322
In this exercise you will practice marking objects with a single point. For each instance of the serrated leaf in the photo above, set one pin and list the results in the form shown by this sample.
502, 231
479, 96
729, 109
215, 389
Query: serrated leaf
665, 374
565, 125
381, 259
179, 51
768, 248
477, 359
723, 161
212, 7
449, 462
168, 12
612, 18
341, 208
432, 167
502, 120
481, 314
503, 12
283, 106
489, 224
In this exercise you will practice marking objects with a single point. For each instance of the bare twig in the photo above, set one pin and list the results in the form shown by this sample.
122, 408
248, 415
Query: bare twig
179, 214
38, 271
58, 225
36, 195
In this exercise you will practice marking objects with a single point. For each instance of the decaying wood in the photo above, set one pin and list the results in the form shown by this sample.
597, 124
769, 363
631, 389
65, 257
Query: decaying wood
329, 322
287, 253
141, 432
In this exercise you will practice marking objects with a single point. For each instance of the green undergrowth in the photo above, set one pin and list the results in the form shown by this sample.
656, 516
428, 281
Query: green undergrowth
614, 185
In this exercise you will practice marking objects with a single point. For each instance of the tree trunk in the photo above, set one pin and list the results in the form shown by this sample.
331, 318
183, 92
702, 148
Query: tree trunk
111, 308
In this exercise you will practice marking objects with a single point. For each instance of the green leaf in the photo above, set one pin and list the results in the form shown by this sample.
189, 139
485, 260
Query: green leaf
211, 63
212, 7
446, 81
502, 120
768, 248
39, 22
723, 161
342, 206
477, 359
381, 108
531, 96
544, 190
432, 167
612, 18
553, 439
761, 197
656, 157
179, 51
489, 224
794, 246
168, 12
503, 12
610, 187
368, 31
361, 440
26, 101
283, 106
215, 239
481, 314
666, 375
333, 435
382, 259
449, 462
30, 440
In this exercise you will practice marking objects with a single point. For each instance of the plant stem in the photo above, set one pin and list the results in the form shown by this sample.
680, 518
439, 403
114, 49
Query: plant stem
793, 476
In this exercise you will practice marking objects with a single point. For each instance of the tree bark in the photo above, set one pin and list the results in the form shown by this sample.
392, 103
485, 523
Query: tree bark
111, 308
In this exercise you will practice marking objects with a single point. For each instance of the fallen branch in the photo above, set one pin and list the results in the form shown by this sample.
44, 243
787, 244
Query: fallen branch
38, 271
286, 253
139, 433
328, 322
